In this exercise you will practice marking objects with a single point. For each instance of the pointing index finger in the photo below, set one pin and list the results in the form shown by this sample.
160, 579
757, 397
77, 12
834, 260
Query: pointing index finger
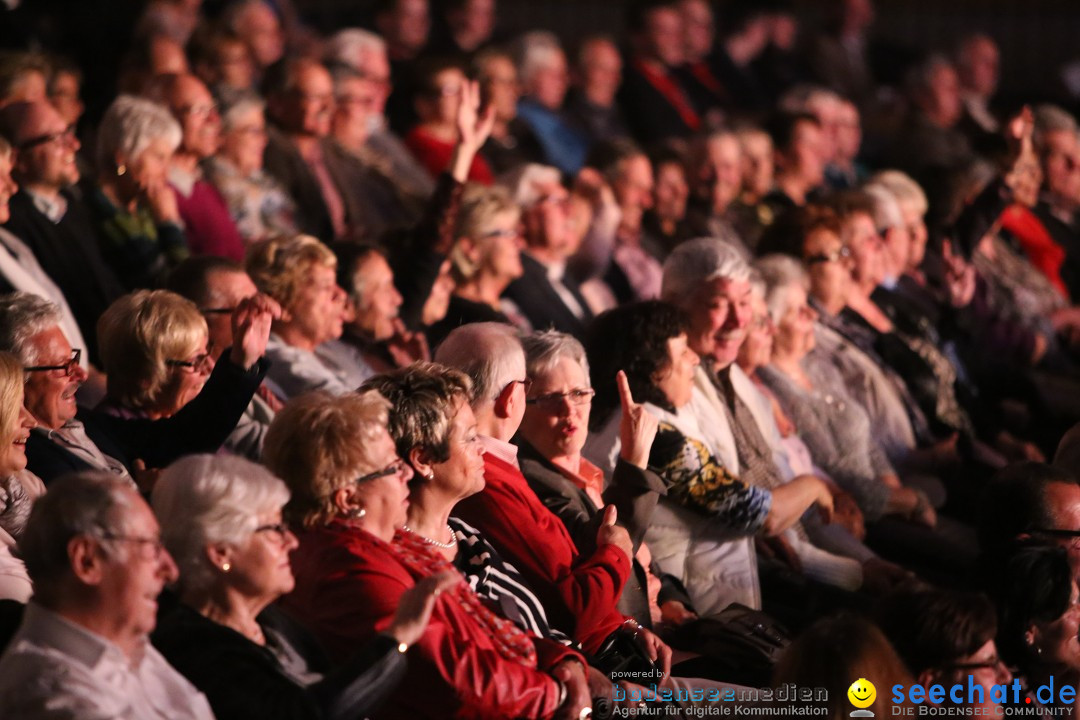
625, 396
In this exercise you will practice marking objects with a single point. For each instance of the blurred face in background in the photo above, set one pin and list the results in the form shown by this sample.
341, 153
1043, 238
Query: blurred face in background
600, 71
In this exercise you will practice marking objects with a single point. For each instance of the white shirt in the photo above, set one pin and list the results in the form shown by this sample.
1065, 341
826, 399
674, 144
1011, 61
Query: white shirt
55, 670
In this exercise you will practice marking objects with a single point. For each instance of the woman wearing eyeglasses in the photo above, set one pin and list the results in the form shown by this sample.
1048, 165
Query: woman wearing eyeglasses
361, 548
485, 259
221, 520
155, 354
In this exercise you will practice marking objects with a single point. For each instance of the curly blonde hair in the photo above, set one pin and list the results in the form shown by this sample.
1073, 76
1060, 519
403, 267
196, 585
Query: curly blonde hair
137, 334
318, 444
280, 266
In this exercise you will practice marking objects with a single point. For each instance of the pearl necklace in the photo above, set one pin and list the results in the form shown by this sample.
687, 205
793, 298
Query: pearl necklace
436, 543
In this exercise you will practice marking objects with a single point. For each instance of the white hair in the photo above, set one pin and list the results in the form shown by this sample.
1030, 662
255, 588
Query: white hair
129, 126
22, 316
780, 273
536, 51
696, 262
202, 500
543, 349
349, 46
489, 353
523, 183
887, 213
904, 189
238, 106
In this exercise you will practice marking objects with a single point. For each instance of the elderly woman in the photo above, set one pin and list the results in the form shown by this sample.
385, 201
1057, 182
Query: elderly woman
221, 521
834, 427
1039, 615
484, 261
300, 273
154, 352
258, 204
134, 207
350, 499
18, 486
701, 530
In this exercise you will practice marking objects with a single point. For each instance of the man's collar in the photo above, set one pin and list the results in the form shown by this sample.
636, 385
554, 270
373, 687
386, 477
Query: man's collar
53, 208
504, 451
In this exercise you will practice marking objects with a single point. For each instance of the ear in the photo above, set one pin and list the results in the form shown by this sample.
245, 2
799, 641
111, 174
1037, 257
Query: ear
506, 402
86, 558
927, 678
469, 248
219, 554
421, 462
343, 500
1031, 638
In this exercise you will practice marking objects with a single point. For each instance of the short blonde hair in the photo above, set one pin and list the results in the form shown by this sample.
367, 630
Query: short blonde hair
279, 266
906, 191
318, 443
479, 208
11, 396
137, 334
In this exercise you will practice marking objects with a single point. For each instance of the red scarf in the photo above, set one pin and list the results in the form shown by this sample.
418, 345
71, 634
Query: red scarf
666, 86
419, 557
1041, 249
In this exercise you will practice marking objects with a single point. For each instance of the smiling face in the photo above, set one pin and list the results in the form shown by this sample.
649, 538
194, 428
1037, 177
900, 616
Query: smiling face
197, 114
862, 693
557, 428
756, 350
50, 394
13, 449
7, 186
185, 383
500, 247
48, 160
867, 250
243, 143
719, 316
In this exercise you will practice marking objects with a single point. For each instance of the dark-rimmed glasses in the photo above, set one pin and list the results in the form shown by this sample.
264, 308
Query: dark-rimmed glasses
842, 253
67, 134
395, 468
217, 310
68, 367
553, 401
202, 363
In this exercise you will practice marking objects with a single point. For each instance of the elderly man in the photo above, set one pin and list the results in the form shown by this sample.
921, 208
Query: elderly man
337, 197
93, 551
208, 226
544, 78
218, 286
365, 53
545, 294
68, 439
53, 221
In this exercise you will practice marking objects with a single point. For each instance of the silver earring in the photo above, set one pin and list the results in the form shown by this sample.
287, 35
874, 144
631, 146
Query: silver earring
357, 513
226, 567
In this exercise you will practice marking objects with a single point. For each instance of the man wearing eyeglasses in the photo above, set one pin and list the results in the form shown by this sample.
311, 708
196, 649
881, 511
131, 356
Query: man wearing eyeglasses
51, 219
93, 551
68, 439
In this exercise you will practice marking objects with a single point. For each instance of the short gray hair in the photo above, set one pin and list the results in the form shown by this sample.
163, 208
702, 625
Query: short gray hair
696, 262
904, 189
84, 504
887, 214
129, 126
545, 348
346, 47
522, 182
535, 51
22, 316
201, 500
1050, 119
489, 353
237, 105
779, 273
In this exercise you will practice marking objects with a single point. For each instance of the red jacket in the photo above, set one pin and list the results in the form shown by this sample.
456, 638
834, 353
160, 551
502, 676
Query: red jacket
435, 154
579, 594
348, 583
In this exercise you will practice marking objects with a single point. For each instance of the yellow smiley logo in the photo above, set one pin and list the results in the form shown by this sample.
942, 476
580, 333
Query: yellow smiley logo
862, 693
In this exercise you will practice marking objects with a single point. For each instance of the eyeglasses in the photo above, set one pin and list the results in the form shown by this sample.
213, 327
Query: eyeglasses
527, 383
842, 254
68, 367
398, 467
157, 548
279, 529
553, 401
217, 311
202, 110
500, 234
203, 363
67, 135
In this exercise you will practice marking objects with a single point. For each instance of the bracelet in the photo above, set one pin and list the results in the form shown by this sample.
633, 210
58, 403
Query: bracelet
634, 626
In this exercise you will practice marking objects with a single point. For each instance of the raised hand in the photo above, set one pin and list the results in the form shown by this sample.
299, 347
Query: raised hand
611, 534
637, 427
251, 323
474, 128
405, 346
415, 605
161, 201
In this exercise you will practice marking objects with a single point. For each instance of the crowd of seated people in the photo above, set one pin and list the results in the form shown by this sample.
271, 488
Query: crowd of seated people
403, 367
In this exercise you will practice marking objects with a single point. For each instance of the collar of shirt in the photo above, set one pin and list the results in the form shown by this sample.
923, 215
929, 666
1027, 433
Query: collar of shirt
555, 271
45, 627
52, 208
589, 478
507, 452
183, 182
